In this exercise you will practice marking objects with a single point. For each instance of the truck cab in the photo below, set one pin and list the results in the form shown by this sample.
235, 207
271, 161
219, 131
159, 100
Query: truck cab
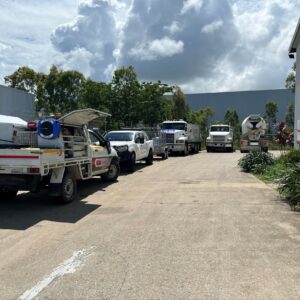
182, 137
220, 137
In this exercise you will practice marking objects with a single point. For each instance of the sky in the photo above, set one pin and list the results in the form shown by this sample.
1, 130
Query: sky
200, 45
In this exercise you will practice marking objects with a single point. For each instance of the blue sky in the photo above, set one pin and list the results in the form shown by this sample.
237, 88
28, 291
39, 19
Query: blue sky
201, 45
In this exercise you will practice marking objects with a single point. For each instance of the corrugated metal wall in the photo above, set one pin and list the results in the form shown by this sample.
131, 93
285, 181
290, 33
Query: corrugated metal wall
245, 103
16, 103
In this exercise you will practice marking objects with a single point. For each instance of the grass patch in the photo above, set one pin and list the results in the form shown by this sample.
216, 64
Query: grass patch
284, 171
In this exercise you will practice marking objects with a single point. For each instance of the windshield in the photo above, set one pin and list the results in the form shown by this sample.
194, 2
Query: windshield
219, 128
176, 126
119, 136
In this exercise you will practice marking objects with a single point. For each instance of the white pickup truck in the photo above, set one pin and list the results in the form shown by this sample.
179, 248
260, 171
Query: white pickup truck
55, 154
131, 146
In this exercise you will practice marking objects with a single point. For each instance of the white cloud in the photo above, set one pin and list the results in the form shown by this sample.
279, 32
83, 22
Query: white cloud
209, 45
189, 5
173, 28
156, 49
210, 28
28, 28
77, 59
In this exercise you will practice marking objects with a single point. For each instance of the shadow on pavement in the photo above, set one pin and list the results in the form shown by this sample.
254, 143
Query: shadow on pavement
29, 209
139, 166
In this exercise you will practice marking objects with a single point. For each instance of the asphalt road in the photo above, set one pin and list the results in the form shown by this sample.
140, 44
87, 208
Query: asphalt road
186, 228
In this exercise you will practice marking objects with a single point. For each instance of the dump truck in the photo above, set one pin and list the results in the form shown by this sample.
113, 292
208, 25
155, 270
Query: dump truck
253, 137
182, 137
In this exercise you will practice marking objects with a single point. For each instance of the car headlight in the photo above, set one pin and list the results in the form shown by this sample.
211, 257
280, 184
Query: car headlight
229, 139
121, 148
208, 138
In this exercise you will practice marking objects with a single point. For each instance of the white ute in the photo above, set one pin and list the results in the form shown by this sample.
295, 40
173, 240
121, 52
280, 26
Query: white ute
131, 146
55, 154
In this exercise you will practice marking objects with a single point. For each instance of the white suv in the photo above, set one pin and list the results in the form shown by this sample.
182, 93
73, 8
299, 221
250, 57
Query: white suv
131, 146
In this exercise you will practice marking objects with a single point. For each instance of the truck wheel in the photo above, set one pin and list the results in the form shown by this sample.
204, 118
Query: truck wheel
207, 149
113, 172
186, 150
165, 155
149, 159
8, 196
131, 163
230, 149
68, 189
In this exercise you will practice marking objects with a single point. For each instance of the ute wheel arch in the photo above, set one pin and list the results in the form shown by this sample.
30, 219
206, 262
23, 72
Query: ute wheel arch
131, 162
68, 189
149, 159
113, 172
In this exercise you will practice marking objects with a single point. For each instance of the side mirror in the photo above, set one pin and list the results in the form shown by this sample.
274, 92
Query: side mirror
137, 140
108, 146
142, 140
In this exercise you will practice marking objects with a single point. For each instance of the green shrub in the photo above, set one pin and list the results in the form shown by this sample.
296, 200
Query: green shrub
289, 184
256, 162
291, 157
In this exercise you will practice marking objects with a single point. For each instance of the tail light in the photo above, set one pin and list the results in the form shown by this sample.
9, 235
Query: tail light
32, 125
33, 170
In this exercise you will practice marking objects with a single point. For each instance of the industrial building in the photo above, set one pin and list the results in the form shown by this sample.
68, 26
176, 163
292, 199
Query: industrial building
295, 48
244, 102
16, 103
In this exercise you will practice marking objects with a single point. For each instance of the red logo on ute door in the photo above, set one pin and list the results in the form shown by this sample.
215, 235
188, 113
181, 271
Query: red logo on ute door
98, 163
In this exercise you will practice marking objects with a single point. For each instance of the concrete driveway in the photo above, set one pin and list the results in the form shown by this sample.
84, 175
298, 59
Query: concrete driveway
190, 227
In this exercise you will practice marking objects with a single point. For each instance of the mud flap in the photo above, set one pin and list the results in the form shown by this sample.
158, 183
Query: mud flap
55, 182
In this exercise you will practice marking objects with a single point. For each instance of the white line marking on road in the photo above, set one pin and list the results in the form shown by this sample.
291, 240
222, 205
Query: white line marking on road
69, 266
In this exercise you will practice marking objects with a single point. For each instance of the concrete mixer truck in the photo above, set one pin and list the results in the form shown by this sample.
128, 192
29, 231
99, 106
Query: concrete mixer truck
253, 138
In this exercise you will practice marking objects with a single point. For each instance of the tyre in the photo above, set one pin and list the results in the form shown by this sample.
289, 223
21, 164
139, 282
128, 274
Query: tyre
186, 150
8, 196
68, 189
165, 154
113, 172
207, 149
131, 163
149, 159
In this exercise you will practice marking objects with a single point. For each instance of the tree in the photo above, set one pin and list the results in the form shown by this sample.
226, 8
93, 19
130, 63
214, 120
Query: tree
95, 95
271, 111
290, 115
290, 82
125, 97
25, 79
284, 135
60, 91
231, 117
202, 117
154, 107
181, 108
